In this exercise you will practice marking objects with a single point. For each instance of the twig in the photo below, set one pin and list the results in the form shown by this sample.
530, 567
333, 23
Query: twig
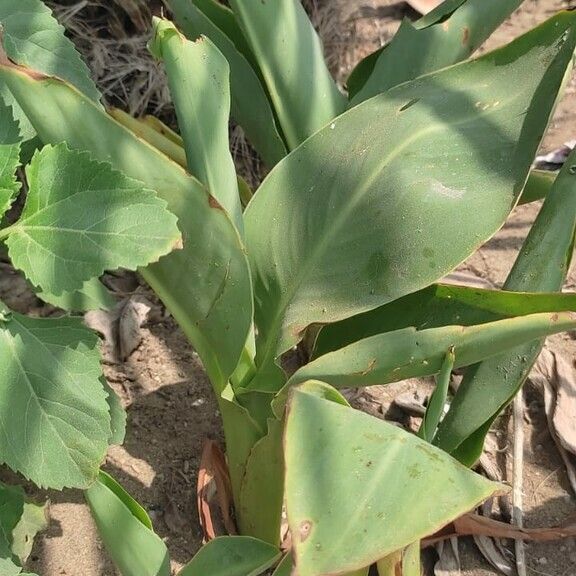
517, 480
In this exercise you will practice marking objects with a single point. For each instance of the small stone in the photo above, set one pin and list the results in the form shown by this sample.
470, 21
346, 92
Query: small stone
542, 561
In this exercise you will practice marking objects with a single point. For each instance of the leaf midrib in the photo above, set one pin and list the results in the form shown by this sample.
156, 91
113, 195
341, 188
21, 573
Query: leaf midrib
341, 218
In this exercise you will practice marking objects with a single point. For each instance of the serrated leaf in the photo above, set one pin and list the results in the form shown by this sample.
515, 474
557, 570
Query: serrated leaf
208, 281
55, 426
357, 215
34, 519
9, 157
81, 218
11, 509
32, 36
359, 488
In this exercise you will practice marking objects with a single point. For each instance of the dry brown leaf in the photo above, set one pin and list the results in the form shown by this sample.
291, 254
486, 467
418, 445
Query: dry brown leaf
448, 558
138, 11
214, 493
120, 327
494, 553
174, 518
133, 315
106, 324
564, 419
474, 525
552, 373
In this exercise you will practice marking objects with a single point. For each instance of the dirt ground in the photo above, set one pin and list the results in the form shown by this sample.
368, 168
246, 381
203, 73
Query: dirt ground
171, 411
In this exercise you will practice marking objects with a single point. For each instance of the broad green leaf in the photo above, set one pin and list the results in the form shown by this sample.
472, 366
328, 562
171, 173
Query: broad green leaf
262, 491
241, 433
92, 296
409, 353
359, 488
204, 285
356, 214
11, 510
132, 544
249, 105
289, 52
117, 415
440, 305
32, 37
232, 556
54, 420
34, 519
9, 157
445, 36
542, 265
198, 76
81, 218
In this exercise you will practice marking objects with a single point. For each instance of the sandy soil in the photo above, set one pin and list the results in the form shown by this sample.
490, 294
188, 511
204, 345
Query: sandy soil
171, 411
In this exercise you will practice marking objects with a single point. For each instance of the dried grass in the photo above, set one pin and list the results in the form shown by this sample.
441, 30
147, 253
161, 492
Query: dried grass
112, 37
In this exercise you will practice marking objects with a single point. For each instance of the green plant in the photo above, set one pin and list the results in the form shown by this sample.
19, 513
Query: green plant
370, 201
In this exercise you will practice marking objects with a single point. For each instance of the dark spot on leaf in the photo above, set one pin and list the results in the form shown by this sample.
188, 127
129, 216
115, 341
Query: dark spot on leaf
305, 529
370, 367
409, 104
465, 36
414, 471
214, 203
